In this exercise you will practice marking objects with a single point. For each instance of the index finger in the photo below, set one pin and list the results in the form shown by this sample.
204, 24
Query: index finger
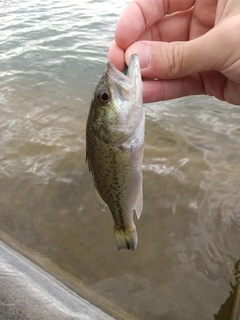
142, 14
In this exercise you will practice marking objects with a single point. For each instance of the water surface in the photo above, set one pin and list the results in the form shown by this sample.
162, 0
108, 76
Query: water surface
51, 56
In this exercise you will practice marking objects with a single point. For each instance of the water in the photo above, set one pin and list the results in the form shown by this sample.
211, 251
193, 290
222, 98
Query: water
51, 55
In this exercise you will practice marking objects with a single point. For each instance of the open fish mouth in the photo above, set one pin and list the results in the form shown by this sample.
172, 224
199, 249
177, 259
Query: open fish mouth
125, 81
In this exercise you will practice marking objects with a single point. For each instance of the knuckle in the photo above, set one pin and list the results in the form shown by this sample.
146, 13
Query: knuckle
175, 59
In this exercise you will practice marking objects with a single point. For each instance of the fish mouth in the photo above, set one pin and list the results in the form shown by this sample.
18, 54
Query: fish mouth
125, 81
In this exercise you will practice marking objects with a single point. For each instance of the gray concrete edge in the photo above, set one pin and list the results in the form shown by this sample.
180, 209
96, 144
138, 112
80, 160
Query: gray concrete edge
29, 292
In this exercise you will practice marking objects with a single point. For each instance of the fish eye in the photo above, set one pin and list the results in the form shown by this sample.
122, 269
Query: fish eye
104, 96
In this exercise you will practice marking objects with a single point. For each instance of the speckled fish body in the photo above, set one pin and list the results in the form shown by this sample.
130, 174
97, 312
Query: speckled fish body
114, 148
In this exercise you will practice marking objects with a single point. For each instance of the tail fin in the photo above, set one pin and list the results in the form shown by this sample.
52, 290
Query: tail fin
126, 239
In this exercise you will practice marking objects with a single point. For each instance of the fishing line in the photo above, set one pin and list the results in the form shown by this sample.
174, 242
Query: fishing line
152, 13
154, 10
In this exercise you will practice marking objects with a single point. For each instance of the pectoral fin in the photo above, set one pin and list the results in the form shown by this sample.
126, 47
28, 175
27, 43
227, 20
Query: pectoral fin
139, 205
101, 203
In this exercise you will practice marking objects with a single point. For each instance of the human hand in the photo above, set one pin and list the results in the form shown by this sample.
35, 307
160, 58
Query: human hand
185, 47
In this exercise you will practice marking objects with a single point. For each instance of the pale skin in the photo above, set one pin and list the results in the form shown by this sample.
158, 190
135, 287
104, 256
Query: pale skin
185, 47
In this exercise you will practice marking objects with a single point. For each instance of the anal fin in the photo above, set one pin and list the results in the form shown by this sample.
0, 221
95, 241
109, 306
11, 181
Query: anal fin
102, 205
139, 205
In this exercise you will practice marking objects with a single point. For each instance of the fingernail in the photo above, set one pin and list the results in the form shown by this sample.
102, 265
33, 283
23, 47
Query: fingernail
143, 50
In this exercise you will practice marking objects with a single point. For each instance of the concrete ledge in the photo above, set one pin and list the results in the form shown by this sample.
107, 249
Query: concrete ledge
29, 293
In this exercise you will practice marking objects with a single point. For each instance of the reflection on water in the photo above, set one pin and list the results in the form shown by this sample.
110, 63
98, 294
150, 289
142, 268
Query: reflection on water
51, 57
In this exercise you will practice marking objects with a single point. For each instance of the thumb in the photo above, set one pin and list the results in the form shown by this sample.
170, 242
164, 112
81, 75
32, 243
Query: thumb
172, 60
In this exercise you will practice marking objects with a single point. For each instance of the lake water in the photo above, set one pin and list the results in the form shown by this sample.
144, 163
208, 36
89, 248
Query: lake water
51, 56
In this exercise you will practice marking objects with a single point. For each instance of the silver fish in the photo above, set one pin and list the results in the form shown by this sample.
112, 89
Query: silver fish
114, 148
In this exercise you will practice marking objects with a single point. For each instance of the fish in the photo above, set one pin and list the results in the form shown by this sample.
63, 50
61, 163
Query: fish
114, 148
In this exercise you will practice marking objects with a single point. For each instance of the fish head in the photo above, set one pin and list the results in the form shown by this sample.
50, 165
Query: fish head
116, 107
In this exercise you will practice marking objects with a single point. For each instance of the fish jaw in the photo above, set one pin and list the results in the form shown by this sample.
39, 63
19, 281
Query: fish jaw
126, 91
129, 82
126, 239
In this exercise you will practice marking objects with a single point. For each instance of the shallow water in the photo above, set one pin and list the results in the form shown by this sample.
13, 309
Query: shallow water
51, 55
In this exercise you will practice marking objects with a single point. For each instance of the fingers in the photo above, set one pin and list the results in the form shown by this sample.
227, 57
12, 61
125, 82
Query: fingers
141, 14
165, 60
174, 27
161, 20
158, 90
211, 83
117, 56
179, 59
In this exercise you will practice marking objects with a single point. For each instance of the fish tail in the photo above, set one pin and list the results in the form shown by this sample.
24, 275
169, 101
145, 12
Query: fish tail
126, 239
